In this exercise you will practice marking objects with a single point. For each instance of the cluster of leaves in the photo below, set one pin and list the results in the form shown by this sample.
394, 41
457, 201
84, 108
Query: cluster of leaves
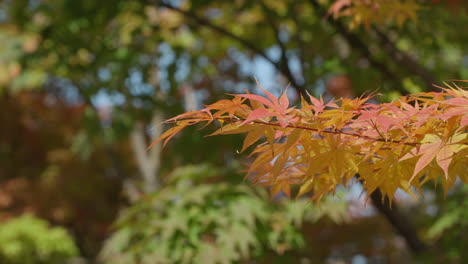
194, 221
17, 44
367, 12
320, 145
29, 240
41, 130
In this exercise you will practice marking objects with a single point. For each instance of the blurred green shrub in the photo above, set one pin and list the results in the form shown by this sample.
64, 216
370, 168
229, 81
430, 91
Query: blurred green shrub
29, 240
199, 218
448, 231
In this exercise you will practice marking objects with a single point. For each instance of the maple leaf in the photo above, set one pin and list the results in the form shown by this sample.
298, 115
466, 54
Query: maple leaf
228, 106
166, 136
259, 99
375, 11
336, 8
434, 147
252, 137
318, 105
282, 186
380, 121
271, 102
258, 114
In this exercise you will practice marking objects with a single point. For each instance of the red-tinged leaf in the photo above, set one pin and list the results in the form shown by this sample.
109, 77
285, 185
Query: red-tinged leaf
455, 92
258, 98
444, 158
429, 109
416, 151
412, 110
284, 102
367, 115
336, 8
428, 152
416, 105
385, 122
319, 106
453, 111
256, 104
331, 104
398, 112
269, 95
457, 101
316, 101
371, 106
445, 155
279, 134
258, 114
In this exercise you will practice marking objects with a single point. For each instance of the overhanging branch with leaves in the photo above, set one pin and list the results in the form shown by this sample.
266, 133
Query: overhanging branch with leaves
319, 145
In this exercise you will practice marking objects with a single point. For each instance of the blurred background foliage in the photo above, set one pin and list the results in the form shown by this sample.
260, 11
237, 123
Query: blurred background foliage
200, 218
85, 85
29, 240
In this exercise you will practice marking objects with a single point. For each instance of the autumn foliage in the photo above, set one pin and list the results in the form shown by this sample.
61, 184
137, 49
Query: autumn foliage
320, 145
376, 12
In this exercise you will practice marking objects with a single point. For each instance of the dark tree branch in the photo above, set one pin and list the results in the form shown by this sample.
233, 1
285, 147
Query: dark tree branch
220, 30
300, 44
247, 44
355, 42
275, 29
284, 61
405, 60
397, 219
